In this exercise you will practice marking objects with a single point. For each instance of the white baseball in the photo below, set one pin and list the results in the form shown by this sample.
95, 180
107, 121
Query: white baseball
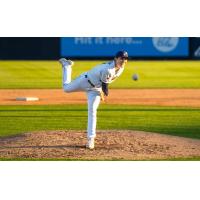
135, 77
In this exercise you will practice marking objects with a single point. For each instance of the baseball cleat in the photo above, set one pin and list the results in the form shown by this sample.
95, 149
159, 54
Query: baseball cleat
90, 143
64, 62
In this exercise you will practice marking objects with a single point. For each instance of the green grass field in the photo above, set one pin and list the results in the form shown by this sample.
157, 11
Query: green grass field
178, 121
153, 74
168, 120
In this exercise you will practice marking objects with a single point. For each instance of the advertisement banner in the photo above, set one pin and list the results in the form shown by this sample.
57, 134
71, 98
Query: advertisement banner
136, 46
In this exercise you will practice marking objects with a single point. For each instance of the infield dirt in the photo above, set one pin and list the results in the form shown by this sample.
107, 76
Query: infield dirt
158, 97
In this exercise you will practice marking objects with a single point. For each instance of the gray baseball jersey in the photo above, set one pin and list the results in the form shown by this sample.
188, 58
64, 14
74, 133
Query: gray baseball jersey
104, 73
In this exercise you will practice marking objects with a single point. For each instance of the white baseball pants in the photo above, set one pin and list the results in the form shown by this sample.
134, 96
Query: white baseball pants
93, 96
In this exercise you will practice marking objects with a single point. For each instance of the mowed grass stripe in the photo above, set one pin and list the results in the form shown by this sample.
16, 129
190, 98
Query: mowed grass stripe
168, 120
152, 74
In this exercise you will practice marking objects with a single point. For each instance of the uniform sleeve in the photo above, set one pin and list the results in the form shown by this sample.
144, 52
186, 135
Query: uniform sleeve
106, 76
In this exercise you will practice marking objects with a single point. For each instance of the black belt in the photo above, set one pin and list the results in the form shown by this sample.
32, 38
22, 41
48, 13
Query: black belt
89, 81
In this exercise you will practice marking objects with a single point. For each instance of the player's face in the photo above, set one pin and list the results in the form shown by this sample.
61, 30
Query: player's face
121, 61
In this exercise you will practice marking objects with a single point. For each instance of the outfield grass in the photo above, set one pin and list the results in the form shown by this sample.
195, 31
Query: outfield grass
153, 74
168, 120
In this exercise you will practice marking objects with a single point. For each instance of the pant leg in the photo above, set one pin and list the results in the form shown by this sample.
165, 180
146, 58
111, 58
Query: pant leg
93, 104
67, 72
79, 84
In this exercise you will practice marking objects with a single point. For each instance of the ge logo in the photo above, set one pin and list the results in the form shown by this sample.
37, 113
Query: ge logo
165, 44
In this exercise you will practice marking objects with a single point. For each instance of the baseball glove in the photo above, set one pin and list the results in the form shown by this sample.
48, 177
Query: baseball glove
105, 88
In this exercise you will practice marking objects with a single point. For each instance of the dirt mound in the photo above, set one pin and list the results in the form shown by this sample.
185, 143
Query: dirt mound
110, 145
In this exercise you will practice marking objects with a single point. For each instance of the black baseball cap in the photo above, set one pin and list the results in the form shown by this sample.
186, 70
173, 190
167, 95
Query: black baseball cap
121, 54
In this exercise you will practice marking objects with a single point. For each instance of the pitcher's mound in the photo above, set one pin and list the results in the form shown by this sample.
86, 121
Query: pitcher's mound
110, 145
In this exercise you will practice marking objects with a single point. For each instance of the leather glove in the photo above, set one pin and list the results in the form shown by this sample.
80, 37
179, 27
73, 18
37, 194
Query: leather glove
105, 88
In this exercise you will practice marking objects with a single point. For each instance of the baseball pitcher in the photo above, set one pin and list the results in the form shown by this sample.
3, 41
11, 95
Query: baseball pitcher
95, 84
